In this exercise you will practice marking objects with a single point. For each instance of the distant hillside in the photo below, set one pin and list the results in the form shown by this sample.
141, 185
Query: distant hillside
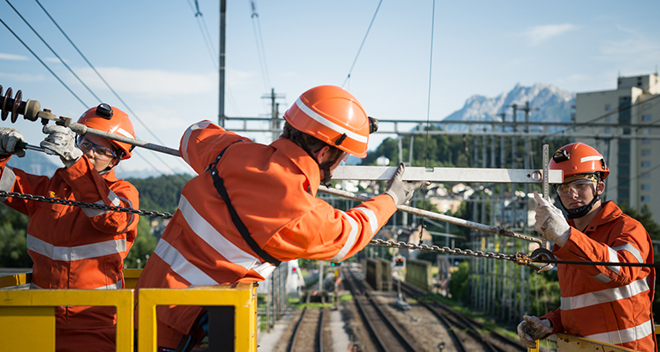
553, 104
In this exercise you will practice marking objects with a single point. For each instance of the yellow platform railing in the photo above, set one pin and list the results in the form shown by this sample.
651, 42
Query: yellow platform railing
243, 297
27, 317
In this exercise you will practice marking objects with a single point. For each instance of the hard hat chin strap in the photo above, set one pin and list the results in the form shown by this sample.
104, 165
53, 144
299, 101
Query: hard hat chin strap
324, 168
581, 211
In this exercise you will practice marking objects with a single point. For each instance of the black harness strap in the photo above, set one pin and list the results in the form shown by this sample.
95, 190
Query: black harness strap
220, 187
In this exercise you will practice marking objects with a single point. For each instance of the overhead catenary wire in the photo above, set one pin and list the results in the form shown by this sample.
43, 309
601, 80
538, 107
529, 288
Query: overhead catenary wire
579, 125
261, 51
53, 51
362, 44
203, 28
44, 64
206, 36
110, 88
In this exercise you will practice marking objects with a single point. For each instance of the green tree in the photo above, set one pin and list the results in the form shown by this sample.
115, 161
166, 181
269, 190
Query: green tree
13, 242
458, 284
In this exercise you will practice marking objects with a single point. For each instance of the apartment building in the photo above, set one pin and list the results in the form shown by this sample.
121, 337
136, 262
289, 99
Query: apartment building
625, 123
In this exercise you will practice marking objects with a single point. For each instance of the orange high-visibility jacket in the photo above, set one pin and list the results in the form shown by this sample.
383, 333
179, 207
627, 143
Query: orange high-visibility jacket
273, 189
74, 247
612, 304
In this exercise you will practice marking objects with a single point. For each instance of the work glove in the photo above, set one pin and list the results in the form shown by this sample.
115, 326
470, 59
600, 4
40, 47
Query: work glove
532, 329
61, 141
550, 221
401, 191
9, 138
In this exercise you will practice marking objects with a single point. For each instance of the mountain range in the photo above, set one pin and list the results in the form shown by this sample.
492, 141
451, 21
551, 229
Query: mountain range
549, 104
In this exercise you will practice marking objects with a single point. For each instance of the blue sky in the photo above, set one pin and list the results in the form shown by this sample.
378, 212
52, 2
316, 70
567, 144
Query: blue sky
153, 54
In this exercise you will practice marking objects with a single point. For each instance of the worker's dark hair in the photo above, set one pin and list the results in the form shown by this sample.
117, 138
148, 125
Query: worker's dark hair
308, 143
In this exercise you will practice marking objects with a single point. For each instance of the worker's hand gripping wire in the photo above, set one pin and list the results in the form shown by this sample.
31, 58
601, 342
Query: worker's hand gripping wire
10, 138
61, 141
550, 221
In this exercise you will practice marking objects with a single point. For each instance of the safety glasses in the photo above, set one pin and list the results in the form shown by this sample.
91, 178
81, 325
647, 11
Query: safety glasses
86, 145
581, 185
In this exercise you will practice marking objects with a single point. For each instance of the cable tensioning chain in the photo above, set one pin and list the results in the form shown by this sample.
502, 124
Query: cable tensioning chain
84, 205
518, 258
446, 250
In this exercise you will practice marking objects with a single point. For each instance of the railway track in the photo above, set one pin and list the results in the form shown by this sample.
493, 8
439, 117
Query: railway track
308, 333
467, 334
385, 334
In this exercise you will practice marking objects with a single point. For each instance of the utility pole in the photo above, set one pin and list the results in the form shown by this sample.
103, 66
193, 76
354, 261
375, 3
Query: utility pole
527, 161
514, 129
274, 113
221, 88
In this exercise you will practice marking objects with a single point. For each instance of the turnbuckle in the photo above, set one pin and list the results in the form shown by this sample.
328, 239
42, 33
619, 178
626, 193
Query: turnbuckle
532, 259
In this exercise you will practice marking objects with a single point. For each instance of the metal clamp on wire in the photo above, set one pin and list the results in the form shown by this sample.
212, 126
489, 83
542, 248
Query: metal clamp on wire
538, 256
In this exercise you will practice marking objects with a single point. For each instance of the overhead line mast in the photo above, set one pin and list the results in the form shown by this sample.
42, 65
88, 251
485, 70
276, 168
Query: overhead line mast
221, 69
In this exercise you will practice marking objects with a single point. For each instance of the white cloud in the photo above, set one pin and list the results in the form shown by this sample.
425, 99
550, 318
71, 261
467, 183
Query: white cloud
538, 34
23, 77
12, 57
151, 82
636, 51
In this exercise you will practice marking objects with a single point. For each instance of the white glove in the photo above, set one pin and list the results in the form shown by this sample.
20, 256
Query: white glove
532, 329
60, 140
550, 221
9, 137
401, 191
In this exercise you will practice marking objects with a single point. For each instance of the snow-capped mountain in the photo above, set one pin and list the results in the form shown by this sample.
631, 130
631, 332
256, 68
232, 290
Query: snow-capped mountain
553, 104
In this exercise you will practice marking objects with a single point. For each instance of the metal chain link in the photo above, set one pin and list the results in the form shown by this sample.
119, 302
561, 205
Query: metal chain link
76, 203
446, 250
378, 242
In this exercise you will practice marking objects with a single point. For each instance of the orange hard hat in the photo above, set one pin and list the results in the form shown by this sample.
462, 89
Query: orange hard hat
579, 158
332, 115
109, 119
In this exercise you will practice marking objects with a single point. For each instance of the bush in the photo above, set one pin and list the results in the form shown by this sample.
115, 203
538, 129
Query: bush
458, 283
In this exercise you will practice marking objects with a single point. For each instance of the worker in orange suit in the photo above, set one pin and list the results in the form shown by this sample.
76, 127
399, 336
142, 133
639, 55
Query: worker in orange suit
75, 247
253, 206
612, 304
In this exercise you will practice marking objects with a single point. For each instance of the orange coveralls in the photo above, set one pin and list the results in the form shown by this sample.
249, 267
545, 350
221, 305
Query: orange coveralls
612, 304
273, 189
74, 247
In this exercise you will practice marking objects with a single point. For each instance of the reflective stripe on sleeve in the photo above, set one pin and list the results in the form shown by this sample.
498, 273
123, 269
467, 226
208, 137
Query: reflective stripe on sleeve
68, 254
373, 220
630, 249
626, 335
7, 180
614, 258
186, 136
114, 201
181, 266
603, 296
264, 269
601, 278
350, 241
215, 239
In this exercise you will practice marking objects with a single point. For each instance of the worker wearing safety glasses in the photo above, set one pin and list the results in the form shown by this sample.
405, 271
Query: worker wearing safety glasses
76, 247
612, 304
